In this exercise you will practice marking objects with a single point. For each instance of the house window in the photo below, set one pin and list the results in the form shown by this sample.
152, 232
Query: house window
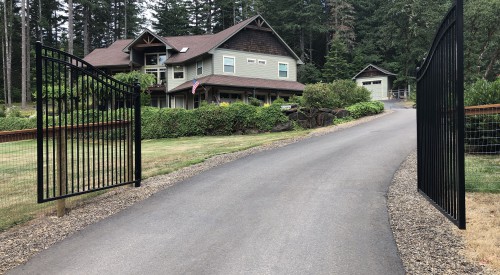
262, 62
251, 61
179, 101
155, 59
151, 59
199, 67
162, 58
159, 74
283, 69
178, 72
228, 64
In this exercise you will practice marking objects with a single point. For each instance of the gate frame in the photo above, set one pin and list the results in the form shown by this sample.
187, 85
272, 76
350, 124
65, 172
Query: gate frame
435, 199
134, 91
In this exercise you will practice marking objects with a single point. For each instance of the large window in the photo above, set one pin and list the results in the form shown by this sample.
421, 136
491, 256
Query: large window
199, 67
178, 72
159, 73
283, 70
155, 59
228, 64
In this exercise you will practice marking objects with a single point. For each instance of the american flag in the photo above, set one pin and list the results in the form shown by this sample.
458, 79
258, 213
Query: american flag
195, 85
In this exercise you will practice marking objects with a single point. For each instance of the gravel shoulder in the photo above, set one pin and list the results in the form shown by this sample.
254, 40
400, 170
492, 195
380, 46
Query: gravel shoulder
427, 241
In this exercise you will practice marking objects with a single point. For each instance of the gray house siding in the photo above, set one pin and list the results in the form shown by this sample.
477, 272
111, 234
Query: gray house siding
256, 70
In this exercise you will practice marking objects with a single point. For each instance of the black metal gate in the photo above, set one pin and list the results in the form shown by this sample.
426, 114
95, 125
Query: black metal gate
440, 119
88, 127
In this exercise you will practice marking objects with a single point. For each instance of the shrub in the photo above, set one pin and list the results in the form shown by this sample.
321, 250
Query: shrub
319, 95
365, 109
16, 123
482, 92
13, 112
254, 101
2, 111
269, 116
349, 93
338, 94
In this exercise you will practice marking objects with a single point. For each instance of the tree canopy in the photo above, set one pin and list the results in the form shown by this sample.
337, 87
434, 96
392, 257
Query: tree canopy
335, 38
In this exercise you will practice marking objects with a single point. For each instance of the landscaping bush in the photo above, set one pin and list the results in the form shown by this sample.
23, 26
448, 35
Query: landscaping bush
269, 116
349, 93
365, 109
2, 111
338, 94
319, 95
16, 123
482, 92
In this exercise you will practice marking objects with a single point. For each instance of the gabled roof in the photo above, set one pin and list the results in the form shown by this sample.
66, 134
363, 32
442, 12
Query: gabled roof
110, 56
147, 31
247, 82
199, 45
386, 72
203, 44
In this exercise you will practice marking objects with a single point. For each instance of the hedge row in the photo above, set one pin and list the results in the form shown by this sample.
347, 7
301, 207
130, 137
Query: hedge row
365, 109
209, 120
337, 94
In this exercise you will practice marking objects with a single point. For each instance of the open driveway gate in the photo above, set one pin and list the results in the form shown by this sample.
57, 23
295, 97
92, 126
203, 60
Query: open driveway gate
88, 127
440, 119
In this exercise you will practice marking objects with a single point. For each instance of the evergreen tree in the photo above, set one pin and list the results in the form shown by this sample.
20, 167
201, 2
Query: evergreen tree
172, 18
337, 64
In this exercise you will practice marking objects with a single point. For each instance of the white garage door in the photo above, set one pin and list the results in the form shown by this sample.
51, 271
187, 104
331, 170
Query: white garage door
377, 89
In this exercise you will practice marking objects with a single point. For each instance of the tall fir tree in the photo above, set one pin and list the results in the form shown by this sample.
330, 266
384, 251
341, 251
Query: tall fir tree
337, 62
172, 18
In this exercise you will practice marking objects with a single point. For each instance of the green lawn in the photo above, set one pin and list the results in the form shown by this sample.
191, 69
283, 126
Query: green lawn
18, 167
482, 173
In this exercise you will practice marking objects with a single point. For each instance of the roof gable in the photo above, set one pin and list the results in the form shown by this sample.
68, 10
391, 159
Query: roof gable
372, 68
148, 38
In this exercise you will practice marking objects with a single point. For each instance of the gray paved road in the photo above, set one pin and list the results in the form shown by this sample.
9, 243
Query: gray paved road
314, 207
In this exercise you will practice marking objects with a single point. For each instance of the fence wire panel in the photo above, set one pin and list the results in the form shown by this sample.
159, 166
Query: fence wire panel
440, 119
88, 131
17, 177
482, 148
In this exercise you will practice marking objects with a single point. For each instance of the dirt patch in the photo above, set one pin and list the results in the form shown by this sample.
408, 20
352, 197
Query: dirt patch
482, 236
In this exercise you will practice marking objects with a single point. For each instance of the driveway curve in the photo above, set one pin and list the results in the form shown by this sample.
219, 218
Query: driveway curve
313, 207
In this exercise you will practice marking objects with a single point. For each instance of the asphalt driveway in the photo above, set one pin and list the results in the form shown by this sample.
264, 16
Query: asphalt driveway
314, 207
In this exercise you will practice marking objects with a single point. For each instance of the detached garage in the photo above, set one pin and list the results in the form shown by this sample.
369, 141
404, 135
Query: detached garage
377, 80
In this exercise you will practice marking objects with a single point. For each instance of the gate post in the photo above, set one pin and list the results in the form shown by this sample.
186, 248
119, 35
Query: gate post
137, 128
61, 181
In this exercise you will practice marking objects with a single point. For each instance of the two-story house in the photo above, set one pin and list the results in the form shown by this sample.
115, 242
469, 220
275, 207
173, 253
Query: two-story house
246, 60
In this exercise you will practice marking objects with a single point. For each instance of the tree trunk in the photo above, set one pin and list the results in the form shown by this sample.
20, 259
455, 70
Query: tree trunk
493, 60
70, 27
86, 36
8, 52
4, 69
125, 16
28, 54
23, 53
302, 45
40, 21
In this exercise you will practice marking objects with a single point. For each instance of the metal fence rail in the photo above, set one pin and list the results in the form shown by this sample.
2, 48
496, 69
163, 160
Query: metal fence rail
88, 128
440, 119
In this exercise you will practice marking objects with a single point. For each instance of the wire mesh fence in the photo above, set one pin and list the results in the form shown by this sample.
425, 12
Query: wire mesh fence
18, 180
482, 148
